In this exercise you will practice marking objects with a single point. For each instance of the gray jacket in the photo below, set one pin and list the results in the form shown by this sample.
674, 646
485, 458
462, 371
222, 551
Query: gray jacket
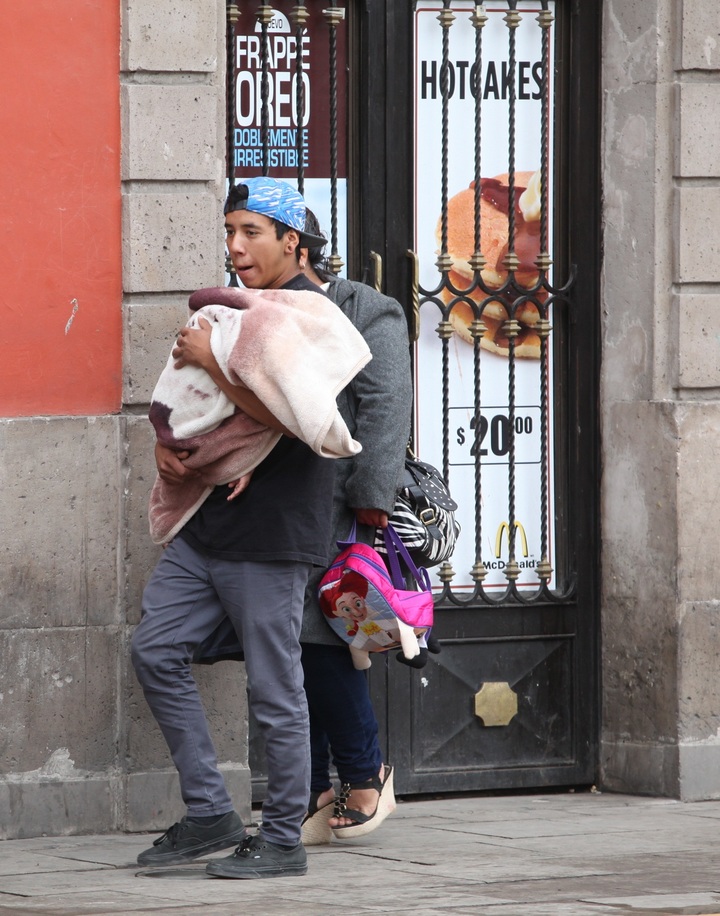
376, 406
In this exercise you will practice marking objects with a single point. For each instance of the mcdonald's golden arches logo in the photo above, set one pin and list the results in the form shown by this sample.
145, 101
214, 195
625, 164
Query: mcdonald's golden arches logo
504, 529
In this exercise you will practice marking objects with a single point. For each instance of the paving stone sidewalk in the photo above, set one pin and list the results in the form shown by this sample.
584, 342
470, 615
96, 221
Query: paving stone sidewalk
568, 854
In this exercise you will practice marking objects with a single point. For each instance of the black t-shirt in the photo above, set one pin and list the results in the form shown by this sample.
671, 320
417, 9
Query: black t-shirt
283, 514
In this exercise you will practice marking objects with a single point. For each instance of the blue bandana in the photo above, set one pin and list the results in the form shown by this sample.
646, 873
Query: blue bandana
276, 200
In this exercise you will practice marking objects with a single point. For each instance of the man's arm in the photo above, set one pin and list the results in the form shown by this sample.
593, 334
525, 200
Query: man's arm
193, 349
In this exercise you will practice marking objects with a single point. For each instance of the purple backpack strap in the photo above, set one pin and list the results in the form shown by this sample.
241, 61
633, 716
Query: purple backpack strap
350, 539
397, 551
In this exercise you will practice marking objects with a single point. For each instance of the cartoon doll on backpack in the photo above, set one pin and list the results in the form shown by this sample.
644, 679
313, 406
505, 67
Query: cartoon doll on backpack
368, 611
345, 604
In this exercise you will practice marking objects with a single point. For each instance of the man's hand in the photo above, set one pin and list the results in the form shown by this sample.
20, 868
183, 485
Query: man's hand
193, 347
170, 465
375, 517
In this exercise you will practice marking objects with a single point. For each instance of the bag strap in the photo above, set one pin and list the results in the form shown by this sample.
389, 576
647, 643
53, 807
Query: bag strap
397, 551
428, 479
350, 539
425, 512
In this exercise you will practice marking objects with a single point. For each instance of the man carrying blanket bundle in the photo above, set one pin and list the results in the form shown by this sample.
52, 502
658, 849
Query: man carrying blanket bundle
291, 349
245, 559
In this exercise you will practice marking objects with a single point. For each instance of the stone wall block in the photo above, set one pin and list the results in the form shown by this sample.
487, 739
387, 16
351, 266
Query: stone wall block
700, 35
639, 768
698, 340
140, 554
639, 579
630, 227
171, 242
151, 329
698, 570
699, 686
630, 38
170, 132
699, 768
59, 689
57, 805
61, 519
699, 239
699, 694
153, 798
222, 687
699, 133
163, 35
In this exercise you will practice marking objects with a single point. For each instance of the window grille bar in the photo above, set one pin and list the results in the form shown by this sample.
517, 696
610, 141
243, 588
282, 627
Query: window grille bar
544, 569
299, 16
512, 21
264, 17
333, 17
233, 16
478, 19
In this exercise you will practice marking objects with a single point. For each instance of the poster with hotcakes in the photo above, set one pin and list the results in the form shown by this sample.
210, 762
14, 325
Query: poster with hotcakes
486, 432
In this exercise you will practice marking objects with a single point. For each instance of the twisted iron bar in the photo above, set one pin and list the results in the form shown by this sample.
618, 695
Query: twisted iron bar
264, 17
233, 15
446, 19
299, 16
478, 19
333, 16
545, 20
544, 569
512, 20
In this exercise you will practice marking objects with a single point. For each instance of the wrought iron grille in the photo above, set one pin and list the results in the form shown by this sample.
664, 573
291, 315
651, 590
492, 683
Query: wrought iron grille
498, 306
506, 307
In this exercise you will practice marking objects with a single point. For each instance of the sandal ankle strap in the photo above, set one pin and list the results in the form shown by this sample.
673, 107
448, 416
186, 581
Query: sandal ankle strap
374, 782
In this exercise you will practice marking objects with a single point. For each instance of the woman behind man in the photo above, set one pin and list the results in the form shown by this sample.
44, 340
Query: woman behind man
376, 407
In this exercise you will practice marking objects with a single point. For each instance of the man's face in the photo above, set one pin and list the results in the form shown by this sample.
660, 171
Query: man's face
260, 258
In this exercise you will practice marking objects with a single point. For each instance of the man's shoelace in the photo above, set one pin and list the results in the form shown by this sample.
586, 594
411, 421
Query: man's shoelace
172, 834
246, 847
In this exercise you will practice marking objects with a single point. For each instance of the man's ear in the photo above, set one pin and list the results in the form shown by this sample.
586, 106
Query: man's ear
292, 240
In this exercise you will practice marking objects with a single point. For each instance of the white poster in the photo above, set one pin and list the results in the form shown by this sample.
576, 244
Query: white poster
490, 429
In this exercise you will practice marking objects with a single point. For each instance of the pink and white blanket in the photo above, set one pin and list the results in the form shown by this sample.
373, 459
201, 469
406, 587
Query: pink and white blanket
294, 349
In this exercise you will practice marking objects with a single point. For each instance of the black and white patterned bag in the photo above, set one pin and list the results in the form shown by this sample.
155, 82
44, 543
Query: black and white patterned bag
424, 515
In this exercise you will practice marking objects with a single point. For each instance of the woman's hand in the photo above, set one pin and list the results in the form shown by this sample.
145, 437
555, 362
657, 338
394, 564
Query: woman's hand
375, 517
192, 347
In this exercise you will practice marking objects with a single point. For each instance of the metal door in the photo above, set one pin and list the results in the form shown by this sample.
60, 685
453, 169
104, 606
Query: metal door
511, 700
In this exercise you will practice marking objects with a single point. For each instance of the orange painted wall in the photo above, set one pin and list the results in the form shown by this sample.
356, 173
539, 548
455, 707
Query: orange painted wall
60, 224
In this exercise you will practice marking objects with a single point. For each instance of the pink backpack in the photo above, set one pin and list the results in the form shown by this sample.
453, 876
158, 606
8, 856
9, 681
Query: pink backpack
369, 607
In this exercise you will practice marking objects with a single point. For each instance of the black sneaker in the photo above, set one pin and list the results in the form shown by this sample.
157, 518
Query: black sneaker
187, 840
258, 858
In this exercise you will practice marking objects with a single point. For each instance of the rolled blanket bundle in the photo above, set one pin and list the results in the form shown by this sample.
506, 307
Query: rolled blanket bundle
294, 349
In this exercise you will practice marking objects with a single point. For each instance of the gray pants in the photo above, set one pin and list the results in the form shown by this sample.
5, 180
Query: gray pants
185, 599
